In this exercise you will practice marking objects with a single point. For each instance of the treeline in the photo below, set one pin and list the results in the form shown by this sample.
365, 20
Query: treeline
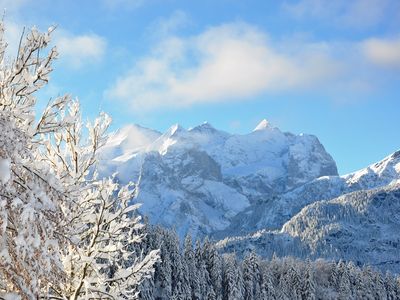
198, 271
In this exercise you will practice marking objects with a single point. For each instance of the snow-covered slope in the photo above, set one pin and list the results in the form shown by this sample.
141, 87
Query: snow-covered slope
273, 212
362, 226
127, 140
200, 179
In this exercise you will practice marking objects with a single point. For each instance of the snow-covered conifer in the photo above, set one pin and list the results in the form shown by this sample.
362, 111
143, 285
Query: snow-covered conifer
213, 265
232, 278
192, 272
390, 286
252, 276
309, 282
267, 282
179, 281
344, 291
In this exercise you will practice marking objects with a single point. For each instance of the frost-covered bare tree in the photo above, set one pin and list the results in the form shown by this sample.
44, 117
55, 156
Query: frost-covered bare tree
63, 233
100, 218
29, 194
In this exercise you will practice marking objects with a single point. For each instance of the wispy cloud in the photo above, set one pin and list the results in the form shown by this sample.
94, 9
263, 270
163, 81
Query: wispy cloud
383, 52
79, 50
224, 63
355, 13
166, 26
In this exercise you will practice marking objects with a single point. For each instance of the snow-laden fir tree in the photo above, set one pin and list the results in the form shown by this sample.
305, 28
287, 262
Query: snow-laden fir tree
379, 286
344, 282
213, 266
308, 292
180, 282
252, 277
390, 286
202, 272
190, 262
63, 233
233, 280
267, 282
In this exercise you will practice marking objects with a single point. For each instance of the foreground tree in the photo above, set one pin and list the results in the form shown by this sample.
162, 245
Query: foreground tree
30, 195
63, 233
101, 263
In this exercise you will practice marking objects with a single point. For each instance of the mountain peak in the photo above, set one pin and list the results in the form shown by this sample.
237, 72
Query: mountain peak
264, 124
204, 127
174, 129
396, 154
206, 124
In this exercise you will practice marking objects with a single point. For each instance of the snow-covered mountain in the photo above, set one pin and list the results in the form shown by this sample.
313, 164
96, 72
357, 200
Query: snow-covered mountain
361, 226
353, 217
202, 179
274, 212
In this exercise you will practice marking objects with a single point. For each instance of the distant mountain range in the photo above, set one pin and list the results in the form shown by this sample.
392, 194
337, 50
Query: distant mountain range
199, 180
267, 190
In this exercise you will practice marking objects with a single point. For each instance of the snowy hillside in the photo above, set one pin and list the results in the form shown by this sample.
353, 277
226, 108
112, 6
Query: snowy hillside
274, 212
361, 226
200, 179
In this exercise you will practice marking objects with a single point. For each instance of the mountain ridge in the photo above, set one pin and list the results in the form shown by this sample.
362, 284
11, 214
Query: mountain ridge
206, 176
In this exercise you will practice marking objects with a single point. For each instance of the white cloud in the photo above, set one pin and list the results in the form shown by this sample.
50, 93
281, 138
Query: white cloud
75, 50
131, 137
355, 13
166, 26
383, 52
232, 61
78, 50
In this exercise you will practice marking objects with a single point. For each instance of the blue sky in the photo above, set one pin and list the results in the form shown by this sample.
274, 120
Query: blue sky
330, 68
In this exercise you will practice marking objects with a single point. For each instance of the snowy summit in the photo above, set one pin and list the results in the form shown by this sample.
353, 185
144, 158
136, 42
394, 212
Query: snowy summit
264, 124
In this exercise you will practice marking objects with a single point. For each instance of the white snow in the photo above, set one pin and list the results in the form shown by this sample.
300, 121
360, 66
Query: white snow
11, 296
5, 170
128, 140
264, 124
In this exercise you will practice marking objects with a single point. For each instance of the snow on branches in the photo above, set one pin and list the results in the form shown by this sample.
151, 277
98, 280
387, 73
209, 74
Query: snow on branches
64, 234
